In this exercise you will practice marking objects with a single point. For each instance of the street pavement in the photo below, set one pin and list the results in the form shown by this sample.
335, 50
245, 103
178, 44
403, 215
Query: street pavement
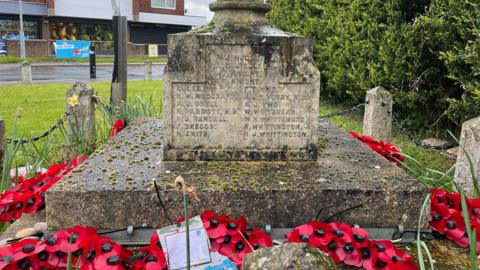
68, 72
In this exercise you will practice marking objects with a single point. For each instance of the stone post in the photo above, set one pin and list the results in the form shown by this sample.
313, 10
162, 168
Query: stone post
470, 142
2, 145
120, 65
81, 112
116, 97
26, 72
148, 70
377, 121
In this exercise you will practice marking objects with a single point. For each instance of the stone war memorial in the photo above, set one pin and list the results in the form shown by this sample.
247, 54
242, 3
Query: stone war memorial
241, 125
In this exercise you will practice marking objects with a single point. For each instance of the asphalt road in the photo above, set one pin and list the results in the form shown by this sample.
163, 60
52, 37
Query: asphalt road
59, 72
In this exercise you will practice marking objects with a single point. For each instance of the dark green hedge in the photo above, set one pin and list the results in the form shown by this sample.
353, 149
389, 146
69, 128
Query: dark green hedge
426, 53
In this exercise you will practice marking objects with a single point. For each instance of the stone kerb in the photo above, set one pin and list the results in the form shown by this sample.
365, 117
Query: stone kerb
81, 112
26, 69
377, 121
148, 76
470, 147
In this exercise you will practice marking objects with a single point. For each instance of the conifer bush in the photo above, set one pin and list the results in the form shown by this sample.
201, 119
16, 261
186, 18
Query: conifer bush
426, 52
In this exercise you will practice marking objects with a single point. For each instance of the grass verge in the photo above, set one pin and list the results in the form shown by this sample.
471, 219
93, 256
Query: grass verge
354, 122
41, 105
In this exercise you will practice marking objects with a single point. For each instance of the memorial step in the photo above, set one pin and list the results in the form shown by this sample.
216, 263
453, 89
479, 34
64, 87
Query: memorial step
114, 188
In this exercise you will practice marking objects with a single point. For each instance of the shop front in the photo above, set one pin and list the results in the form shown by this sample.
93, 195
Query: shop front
10, 25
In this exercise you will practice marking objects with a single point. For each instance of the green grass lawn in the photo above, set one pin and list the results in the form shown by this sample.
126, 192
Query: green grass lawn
14, 59
42, 104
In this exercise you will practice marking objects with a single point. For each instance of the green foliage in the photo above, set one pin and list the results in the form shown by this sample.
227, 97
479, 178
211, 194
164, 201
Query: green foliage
425, 53
134, 108
421, 246
452, 29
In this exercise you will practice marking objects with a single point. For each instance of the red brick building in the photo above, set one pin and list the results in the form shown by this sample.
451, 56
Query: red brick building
149, 22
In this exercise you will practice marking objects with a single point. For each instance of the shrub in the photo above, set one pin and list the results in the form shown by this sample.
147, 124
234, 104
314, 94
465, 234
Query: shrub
425, 53
452, 34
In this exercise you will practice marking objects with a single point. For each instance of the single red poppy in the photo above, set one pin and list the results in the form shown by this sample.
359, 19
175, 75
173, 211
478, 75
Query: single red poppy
455, 227
6, 256
118, 126
258, 238
439, 215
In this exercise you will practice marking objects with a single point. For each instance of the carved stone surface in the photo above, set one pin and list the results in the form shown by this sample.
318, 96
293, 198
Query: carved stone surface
377, 122
240, 94
114, 188
470, 141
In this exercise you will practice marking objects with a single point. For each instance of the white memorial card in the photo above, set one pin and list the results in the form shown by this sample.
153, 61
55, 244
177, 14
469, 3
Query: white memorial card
173, 240
177, 252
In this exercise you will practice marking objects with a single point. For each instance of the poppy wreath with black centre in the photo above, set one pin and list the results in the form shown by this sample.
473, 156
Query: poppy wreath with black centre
385, 149
88, 249
233, 238
151, 256
28, 195
351, 246
446, 216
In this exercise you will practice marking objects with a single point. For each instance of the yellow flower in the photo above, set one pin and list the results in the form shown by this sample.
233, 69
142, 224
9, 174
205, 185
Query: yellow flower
73, 100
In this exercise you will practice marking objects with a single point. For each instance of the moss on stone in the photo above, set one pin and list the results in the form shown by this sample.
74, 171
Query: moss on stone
322, 143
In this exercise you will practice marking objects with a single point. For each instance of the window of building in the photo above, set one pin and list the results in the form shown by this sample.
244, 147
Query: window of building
9, 29
67, 30
168, 4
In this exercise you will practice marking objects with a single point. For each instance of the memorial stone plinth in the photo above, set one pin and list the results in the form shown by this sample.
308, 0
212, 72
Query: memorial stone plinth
241, 126
240, 90
114, 188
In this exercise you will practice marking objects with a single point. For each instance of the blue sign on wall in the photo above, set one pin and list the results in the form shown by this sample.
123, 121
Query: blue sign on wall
72, 49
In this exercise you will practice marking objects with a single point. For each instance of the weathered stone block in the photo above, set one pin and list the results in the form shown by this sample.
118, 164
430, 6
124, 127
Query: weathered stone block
26, 72
148, 71
288, 256
435, 143
470, 142
114, 188
377, 121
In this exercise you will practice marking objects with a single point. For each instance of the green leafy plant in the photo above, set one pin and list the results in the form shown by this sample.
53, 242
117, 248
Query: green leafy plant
429, 177
134, 108
421, 246
75, 143
472, 238
11, 151
32, 156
